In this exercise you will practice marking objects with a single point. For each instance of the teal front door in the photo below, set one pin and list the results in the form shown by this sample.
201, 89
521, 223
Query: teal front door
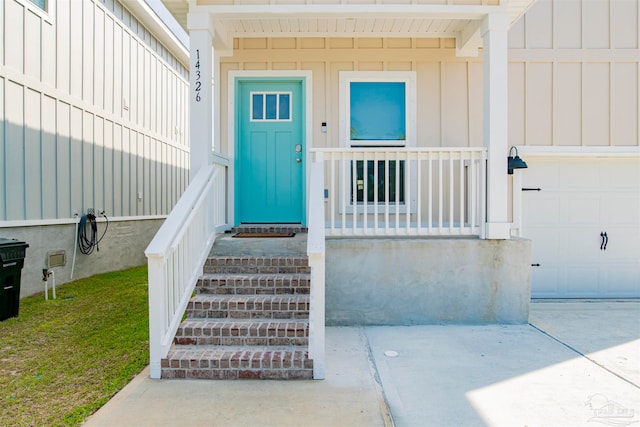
270, 152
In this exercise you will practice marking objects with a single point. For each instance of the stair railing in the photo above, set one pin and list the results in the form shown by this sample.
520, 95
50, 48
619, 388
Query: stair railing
316, 254
177, 254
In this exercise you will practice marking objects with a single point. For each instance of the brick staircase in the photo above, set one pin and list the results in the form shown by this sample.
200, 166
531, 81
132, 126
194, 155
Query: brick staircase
249, 317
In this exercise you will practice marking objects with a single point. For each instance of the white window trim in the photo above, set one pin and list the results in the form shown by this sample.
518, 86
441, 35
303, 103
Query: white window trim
47, 15
406, 77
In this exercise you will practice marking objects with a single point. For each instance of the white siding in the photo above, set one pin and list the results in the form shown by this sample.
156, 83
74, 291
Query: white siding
49, 120
578, 60
94, 110
33, 154
14, 153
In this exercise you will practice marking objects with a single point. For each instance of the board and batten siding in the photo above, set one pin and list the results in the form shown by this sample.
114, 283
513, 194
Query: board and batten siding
574, 74
449, 89
95, 113
573, 77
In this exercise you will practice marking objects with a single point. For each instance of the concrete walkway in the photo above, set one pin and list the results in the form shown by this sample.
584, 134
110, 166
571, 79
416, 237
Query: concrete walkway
575, 364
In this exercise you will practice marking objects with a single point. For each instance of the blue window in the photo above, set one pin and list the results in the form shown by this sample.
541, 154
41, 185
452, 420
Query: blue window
42, 4
270, 106
257, 106
285, 106
378, 111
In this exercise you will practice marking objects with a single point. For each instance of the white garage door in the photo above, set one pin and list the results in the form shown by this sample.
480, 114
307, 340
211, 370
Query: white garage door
584, 224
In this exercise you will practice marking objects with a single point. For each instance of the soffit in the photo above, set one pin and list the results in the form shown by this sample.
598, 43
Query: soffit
315, 19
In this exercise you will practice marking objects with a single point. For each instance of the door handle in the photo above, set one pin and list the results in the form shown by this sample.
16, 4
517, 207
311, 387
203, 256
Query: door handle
298, 148
604, 240
298, 160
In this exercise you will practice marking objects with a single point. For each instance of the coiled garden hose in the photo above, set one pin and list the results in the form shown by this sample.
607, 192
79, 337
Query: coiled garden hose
87, 241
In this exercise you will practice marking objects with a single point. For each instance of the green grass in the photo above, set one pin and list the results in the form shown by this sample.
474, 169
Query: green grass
61, 360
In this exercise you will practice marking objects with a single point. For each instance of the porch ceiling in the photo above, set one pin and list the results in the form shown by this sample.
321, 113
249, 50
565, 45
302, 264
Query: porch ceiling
275, 19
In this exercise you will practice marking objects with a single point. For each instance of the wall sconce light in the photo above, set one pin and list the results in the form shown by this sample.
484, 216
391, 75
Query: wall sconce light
514, 162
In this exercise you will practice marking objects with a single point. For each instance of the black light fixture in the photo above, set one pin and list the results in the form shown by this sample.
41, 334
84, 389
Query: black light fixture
514, 162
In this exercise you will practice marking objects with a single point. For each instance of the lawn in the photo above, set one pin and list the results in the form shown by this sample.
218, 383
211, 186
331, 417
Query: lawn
61, 360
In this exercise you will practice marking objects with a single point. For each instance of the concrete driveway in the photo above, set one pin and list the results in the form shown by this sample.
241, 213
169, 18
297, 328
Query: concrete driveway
575, 364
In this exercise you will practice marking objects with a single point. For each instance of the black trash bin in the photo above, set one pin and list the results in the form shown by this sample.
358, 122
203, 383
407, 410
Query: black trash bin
12, 254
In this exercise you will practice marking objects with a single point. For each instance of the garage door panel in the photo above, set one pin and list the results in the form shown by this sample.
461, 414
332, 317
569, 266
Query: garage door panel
547, 280
621, 281
581, 281
546, 207
580, 209
622, 174
623, 245
581, 244
574, 175
581, 198
621, 209
542, 174
544, 253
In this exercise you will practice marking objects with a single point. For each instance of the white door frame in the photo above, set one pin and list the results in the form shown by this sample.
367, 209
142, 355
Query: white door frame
307, 86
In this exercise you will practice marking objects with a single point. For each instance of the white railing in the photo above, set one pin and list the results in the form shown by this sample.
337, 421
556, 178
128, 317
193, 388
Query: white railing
316, 253
404, 191
177, 253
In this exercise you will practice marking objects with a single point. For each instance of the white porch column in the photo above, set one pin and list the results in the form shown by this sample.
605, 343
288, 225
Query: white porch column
495, 69
201, 33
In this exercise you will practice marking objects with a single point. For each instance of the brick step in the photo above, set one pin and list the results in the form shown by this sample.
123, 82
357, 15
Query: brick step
237, 363
257, 265
243, 333
248, 307
263, 284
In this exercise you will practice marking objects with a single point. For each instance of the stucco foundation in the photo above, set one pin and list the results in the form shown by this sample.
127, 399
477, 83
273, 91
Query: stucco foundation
373, 281
122, 247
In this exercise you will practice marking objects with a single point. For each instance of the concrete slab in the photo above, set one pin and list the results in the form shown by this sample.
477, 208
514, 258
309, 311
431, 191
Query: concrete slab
576, 364
608, 333
348, 397
227, 245
513, 375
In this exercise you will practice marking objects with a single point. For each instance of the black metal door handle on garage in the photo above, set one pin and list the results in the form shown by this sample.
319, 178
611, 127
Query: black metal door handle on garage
12, 253
604, 240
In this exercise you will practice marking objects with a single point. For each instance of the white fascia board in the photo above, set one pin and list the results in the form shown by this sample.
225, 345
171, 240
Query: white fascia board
348, 10
590, 151
141, 10
235, 34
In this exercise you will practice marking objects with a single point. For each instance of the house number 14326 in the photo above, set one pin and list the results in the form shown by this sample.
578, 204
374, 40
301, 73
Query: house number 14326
198, 83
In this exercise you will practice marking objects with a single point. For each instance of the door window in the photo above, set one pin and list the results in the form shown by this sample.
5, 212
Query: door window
270, 106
